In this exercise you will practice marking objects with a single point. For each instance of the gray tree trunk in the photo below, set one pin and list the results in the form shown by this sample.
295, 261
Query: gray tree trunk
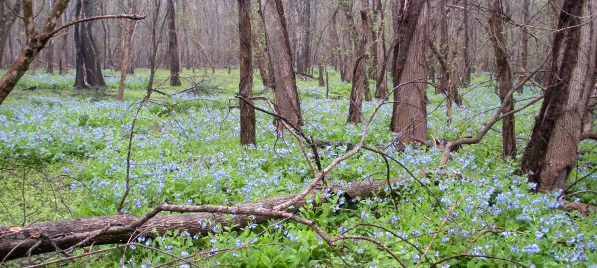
89, 71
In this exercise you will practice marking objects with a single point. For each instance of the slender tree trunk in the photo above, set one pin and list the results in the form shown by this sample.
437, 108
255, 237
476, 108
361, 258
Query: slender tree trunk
524, 55
50, 57
173, 52
504, 76
550, 155
359, 74
466, 78
62, 64
127, 37
278, 46
247, 112
444, 80
409, 116
261, 55
381, 89
89, 72
155, 42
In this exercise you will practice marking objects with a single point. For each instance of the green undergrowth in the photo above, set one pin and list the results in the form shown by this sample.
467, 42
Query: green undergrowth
65, 155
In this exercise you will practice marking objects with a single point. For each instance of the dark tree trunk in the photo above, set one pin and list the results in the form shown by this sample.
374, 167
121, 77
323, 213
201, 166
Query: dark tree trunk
173, 52
409, 116
247, 112
278, 46
381, 89
303, 36
155, 41
444, 72
261, 56
89, 72
550, 155
359, 73
504, 76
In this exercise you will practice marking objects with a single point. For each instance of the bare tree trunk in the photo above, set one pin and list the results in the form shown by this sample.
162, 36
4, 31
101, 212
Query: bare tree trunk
89, 72
551, 153
261, 56
50, 57
381, 89
359, 74
155, 41
62, 64
504, 76
247, 112
524, 57
278, 46
173, 52
36, 40
303, 36
128, 33
6, 21
444, 80
466, 78
409, 116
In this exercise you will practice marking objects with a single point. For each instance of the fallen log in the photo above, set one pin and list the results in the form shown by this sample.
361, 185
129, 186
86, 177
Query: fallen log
63, 236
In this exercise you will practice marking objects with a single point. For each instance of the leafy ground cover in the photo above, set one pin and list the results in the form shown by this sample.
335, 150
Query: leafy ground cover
64, 154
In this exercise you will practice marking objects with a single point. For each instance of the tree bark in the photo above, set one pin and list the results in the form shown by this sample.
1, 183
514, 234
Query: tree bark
409, 116
278, 46
359, 74
89, 71
128, 32
6, 21
551, 153
36, 40
303, 36
466, 78
381, 87
117, 229
173, 52
247, 112
524, 55
504, 76
62, 64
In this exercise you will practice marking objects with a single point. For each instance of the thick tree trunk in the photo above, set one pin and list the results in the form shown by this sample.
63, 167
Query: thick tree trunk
504, 76
551, 153
247, 112
89, 72
381, 87
359, 74
116, 229
409, 116
173, 52
278, 46
50, 57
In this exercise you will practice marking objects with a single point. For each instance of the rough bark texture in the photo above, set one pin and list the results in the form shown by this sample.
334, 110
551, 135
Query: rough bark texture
278, 46
89, 71
551, 153
116, 229
381, 89
409, 116
36, 40
504, 76
247, 112
359, 74
173, 52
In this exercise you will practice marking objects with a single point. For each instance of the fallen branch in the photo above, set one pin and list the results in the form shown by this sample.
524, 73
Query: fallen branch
17, 242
